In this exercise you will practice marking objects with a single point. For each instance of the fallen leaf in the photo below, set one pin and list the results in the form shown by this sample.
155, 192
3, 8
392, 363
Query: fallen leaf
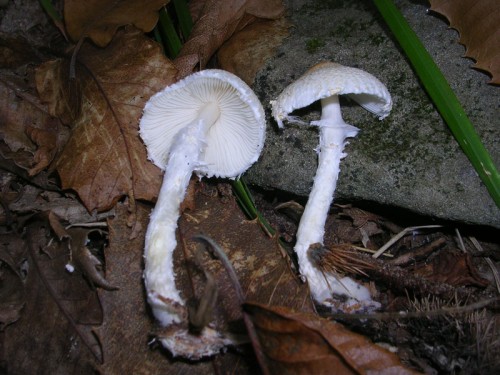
247, 50
262, 266
12, 288
84, 260
23, 115
100, 19
453, 269
477, 22
47, 141
66, 206
300, 343
216, 22
60, 312
15, 51
104, 158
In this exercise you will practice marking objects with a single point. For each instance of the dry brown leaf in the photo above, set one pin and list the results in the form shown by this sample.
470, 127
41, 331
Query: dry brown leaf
46, 140
12, 288
247, 50
64, 206
453, 269
100, 19
27, 123
300, 343
16, 51
61, 94
262, 266
216, 22
58, 316
477, 22
104, 158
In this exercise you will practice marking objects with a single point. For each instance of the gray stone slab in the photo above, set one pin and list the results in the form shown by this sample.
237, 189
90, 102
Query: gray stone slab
410, 159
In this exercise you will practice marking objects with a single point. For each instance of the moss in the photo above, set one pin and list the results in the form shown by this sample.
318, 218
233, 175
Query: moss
312, 45
376, 39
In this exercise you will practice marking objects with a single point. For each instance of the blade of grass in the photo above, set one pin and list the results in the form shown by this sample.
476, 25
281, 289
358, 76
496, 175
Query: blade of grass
171, 41
184, 17
247, 204
54, 15
159, 39
443, 97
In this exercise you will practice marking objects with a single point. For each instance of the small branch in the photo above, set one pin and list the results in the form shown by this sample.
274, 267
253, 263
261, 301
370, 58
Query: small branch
400, 235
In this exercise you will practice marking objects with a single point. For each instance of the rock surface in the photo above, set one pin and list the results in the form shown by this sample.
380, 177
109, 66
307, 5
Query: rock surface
410, 159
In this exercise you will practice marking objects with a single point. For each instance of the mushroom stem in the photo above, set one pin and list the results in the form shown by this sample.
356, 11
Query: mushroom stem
163, 296
333, 134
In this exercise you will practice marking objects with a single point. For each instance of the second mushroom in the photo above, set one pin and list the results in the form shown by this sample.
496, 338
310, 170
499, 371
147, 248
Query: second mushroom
326, 81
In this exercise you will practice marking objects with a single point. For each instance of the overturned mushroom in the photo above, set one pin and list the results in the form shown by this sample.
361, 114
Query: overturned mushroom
210, 123
325, 82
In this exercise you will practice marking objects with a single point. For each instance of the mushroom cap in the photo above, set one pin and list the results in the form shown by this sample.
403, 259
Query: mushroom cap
232, 144
326, 79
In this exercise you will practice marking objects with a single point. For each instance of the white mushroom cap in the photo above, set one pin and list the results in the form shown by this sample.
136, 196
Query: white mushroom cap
326, 79
233, 142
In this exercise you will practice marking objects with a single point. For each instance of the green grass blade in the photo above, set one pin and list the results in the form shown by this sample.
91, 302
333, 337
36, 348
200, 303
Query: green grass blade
171, 41
50, 10
54, 15
159, 39
184, 17
443, 97
247, 204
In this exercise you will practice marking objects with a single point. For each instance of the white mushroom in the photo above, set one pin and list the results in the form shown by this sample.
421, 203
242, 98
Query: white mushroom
325, 81
210, 123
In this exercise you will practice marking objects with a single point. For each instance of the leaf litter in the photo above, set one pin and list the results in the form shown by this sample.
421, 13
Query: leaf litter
73, 298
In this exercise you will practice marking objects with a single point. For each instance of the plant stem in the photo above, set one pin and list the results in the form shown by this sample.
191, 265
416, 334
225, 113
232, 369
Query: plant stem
443, 97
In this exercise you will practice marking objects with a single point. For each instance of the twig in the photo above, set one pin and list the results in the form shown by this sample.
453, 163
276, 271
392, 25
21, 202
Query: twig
400, 235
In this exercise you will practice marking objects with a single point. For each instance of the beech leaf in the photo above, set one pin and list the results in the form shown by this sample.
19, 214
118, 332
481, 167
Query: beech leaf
303, 343
477, 22
217, 22
104, 158
100, 19
247, 51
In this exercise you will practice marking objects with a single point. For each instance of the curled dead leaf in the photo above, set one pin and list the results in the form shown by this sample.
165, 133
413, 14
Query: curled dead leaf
247, 51
216, 22
451, 268
301, 343
46, 139
100, 19
84, 260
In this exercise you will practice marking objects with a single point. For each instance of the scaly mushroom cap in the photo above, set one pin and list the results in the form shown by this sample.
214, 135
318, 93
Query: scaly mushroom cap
326, 79
233, 142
